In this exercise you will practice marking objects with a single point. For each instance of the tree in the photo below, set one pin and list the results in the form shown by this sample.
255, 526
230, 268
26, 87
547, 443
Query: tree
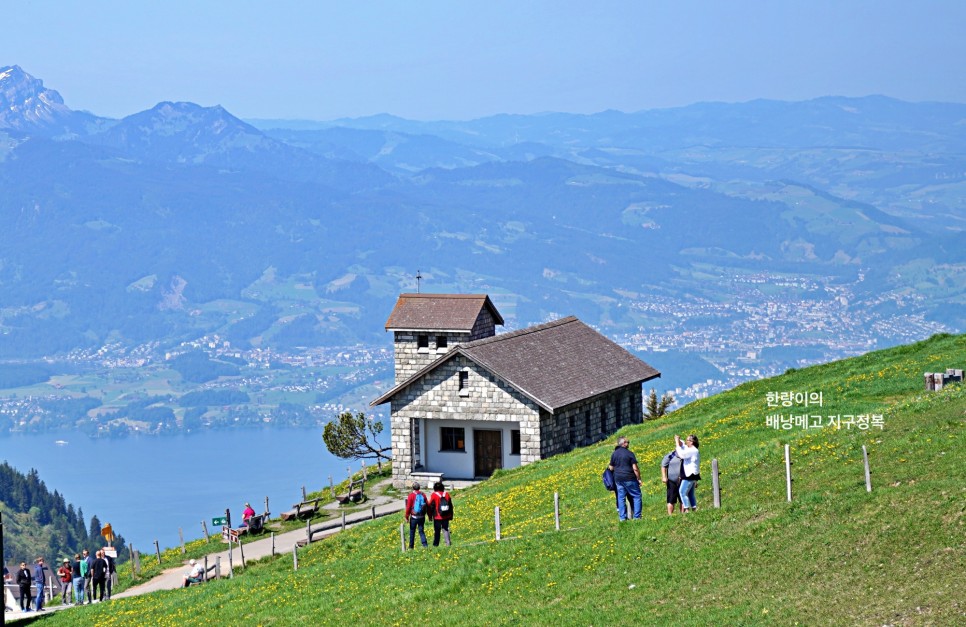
654, 408
354, 437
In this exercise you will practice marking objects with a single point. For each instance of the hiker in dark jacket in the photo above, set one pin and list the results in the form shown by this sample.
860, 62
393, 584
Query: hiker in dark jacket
111, 574
99, 578
623, 463
88, 574
23, 580
40, 580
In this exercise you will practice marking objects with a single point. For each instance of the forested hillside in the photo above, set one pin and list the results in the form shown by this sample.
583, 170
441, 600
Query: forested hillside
37, 522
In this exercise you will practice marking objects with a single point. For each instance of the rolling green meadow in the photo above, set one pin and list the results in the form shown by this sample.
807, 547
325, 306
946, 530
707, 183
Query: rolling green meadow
835, 555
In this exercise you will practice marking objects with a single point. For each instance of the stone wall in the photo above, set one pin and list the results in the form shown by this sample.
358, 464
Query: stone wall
485, 326
438, 396
410, 359
590, 421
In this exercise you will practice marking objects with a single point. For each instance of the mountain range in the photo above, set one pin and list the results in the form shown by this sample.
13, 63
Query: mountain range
185, 220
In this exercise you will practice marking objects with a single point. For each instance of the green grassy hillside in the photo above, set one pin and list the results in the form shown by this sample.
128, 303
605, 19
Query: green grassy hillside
836, 555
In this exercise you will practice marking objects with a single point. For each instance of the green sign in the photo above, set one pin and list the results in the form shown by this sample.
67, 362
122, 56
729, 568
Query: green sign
219, 522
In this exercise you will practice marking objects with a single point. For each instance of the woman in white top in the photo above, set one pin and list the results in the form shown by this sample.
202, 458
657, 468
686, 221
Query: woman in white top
688, 452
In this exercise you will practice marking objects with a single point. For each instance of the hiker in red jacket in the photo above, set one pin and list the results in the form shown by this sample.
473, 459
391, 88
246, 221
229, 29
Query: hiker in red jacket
416, 506
441, 508
66, 581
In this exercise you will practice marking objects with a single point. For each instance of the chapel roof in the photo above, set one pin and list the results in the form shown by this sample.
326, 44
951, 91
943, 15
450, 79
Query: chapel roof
439, 312
554, 364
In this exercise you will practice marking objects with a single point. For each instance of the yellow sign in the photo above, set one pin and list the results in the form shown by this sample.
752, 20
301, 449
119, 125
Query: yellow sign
107, 532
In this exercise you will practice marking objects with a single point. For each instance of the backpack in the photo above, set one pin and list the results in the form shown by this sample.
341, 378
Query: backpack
674, 465
608, 478
419, 505
445, 507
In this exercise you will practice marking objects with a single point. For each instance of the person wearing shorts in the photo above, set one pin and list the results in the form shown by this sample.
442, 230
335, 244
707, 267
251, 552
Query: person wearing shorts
671, 467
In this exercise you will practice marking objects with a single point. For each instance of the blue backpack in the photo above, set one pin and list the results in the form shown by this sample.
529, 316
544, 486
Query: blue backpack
608, 478
419, 505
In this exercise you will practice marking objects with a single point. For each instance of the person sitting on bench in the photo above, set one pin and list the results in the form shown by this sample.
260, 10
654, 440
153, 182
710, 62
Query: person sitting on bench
195, 574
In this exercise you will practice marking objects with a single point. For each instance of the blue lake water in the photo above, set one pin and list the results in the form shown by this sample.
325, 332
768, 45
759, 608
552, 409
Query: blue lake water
148, 487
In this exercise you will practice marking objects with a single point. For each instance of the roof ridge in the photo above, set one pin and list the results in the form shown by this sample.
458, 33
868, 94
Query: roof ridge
435, 295
520, 332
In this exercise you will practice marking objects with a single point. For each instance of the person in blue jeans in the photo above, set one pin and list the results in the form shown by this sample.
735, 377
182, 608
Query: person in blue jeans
688, 452
78, 575
415, 514
39, 581
627, 476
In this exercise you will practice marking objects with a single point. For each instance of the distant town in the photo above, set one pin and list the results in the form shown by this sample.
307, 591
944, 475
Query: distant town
760, 333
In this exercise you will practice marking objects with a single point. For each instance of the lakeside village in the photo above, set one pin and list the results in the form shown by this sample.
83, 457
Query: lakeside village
753, 337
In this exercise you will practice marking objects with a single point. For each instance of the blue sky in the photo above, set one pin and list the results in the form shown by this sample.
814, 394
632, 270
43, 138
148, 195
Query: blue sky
459, 60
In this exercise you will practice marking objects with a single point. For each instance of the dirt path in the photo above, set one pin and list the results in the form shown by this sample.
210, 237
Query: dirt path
174, 577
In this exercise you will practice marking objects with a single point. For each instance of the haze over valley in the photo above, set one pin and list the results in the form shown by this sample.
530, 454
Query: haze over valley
151, 266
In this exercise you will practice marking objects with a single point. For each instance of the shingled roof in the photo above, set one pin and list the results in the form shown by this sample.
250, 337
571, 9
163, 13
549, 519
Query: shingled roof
439, 312
553, 364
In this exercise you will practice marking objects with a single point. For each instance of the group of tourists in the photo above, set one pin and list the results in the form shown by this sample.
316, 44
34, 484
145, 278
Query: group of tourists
85, 579
680, 472
438, 507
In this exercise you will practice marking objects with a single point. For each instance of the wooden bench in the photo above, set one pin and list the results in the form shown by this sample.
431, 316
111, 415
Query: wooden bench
305, 509
356, 492
256, 524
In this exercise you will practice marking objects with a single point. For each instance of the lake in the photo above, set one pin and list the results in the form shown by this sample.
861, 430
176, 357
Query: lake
148, 487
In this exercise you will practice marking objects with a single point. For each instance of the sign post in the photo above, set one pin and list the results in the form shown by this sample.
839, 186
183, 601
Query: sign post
227, 531
229, 535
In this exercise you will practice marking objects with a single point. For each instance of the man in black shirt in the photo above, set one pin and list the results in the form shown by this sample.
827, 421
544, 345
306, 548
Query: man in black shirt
627, 476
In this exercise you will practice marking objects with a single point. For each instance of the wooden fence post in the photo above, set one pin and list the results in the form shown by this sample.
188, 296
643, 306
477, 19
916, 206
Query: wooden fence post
402, 536
241, 550
303, 494
308, 531
788, 472
204, 529
556, 510
496, 516
295, 557
181, 537
343, 521
868, 473
373, 512
268, 512
205, 576
218, 566
157, 549
331, 487
273, 544
365, 475
715, 483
